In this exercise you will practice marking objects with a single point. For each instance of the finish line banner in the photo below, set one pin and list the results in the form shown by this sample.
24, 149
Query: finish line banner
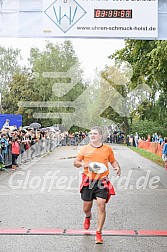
79, 18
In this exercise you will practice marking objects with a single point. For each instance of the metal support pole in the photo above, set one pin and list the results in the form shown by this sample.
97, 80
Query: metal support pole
0, 104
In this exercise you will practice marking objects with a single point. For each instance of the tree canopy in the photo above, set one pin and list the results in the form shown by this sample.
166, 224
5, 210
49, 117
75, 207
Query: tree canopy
149, 64
132, 94
40, 83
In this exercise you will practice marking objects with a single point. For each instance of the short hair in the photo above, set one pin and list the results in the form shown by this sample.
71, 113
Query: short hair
98, 129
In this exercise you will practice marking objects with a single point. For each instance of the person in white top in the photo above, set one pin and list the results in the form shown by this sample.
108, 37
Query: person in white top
6, 124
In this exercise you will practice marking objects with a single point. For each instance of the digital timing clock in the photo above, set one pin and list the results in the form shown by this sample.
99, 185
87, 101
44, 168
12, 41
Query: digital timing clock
111, 13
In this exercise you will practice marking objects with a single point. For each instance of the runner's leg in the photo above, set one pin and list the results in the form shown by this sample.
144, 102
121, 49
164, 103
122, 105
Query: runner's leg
87, 205
101, 205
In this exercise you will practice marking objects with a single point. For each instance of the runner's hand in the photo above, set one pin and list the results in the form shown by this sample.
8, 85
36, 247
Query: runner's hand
85, 164
117, 169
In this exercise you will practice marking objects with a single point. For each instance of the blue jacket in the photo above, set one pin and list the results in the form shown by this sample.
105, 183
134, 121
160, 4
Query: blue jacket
164, 151
4, 141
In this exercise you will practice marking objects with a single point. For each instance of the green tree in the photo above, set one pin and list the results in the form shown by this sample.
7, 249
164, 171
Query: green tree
148, 61
148, 127
115, 86
40, 83
20, 89
9, 65
50, 83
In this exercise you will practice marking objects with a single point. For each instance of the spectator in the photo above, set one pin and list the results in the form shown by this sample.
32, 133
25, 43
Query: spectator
4, 144
160, 140
148, 138
15, 152
1, 160
6, 124
136, 139
164, 153
127, 140
131, 139
155, 137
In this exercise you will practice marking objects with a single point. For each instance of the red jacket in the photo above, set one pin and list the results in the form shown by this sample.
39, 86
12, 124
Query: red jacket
15, 148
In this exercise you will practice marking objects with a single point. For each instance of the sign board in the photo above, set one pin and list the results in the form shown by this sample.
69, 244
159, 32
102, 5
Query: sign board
103, 18
13, 120
138, 19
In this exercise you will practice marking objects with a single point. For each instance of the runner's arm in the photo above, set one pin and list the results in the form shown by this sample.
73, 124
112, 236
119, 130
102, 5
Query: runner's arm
80, 163
116, 167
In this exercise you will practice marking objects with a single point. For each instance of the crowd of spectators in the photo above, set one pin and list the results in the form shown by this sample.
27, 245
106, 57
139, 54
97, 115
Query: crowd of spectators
25, 143
132, 140
19, 145
155, 143
73, 138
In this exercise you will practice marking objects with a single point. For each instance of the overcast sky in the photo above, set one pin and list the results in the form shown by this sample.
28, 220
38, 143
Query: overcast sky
92, 53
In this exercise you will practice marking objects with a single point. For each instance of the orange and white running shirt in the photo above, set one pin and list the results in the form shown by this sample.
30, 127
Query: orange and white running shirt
103, 154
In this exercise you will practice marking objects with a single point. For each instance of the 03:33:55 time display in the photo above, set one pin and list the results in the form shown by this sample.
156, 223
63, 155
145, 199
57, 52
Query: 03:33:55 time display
112, 13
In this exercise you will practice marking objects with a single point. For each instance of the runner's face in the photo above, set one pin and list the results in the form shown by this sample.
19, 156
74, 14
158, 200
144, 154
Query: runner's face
95, 136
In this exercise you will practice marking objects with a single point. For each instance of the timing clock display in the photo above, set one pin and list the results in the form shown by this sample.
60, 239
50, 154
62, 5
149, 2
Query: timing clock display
111, 13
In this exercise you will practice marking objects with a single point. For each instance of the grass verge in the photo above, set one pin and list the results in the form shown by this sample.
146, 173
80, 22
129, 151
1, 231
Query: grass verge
149, 155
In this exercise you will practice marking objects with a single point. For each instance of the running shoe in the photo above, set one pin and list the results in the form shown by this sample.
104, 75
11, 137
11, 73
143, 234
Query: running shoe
87, 222
99, 239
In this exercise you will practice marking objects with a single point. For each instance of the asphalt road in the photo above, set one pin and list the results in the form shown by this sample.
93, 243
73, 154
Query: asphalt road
44, 194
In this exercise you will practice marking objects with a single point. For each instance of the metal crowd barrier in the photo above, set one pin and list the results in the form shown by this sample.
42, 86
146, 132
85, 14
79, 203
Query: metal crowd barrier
38, 149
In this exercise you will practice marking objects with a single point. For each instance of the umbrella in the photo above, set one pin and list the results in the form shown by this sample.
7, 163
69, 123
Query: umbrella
43, 129
26, 127
51, 129
35, 125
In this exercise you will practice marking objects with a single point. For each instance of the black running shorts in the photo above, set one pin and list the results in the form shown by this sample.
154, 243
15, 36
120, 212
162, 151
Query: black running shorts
94, 190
